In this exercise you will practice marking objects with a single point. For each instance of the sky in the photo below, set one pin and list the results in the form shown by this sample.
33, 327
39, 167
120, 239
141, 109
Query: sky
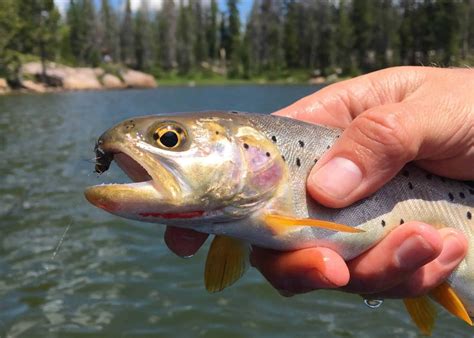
244, 5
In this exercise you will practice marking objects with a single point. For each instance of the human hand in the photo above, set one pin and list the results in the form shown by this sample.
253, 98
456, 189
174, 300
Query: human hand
390, 117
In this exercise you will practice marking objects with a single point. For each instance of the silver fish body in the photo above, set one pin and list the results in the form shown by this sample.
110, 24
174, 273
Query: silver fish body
258, 164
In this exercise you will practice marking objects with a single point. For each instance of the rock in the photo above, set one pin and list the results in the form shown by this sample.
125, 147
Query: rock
4, 88
81, 79
33, 86
110, 81
317, 80
332, 78
136, 79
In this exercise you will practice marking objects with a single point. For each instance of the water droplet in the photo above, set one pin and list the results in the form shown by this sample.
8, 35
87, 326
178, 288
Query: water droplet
373, 303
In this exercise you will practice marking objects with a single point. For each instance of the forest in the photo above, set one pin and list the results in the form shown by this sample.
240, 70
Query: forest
277, 39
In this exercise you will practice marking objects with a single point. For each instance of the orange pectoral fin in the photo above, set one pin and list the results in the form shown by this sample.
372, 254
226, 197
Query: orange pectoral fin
281, 224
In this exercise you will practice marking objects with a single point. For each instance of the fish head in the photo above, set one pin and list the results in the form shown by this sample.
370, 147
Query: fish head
203, 167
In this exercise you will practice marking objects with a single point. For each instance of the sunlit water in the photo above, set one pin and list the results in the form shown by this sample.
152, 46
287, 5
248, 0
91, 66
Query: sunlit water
110, 277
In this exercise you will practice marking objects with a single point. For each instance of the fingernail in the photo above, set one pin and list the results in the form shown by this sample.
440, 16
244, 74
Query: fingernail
453, 250
413, 253
337, 178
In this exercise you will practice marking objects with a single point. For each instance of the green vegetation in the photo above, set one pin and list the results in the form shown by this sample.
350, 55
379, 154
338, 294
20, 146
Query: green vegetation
282, 41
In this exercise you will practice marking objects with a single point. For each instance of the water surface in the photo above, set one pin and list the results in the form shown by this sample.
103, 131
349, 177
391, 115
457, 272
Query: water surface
115, 278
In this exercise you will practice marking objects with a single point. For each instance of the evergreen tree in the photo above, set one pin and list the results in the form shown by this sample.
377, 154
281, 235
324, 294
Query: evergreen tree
290, 35
142, 39
362, 21
344, 38
127, 48
167, 36
199, 29
211, 31
184, 40
110, 40
233, 49
9, 28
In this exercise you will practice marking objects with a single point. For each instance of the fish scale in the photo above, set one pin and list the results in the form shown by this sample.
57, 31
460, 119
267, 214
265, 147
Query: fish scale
242, 177
413, 194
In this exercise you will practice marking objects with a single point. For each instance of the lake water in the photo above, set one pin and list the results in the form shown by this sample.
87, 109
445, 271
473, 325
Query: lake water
112, 277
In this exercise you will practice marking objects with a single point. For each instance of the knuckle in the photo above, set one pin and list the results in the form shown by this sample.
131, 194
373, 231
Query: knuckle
385, 134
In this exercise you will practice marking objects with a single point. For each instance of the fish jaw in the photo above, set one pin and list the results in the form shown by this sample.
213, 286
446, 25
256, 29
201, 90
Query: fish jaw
217, 178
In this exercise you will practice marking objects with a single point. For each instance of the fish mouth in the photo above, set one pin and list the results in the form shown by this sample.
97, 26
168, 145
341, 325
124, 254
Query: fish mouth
153, 196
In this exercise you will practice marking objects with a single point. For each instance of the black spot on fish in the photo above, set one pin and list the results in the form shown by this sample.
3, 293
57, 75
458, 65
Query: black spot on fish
451, 197
461, 194
274, 139
328, 147
442, 179
383, 223
315, 160
268, 154
217, 133
410, 185
246, 146
406, 173
283, 158
429, 176
301, 143
402, 221
234, 112
298, 162
469, 215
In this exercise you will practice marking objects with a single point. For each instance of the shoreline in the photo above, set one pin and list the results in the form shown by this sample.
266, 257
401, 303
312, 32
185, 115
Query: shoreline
60, 78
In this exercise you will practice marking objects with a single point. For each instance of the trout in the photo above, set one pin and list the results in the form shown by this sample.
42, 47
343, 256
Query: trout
242, 177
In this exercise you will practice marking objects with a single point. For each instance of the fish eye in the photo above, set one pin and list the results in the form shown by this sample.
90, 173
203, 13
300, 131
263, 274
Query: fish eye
169, 136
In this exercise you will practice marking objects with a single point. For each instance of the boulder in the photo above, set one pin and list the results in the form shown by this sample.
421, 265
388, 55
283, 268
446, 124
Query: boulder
110, 81
317, 80
136, 79
33, 86
81, 79
4, 88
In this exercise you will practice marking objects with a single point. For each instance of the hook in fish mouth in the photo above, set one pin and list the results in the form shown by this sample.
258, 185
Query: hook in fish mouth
103, 158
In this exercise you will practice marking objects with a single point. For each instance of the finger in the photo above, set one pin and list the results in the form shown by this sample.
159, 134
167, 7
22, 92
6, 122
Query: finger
302, 270
435, 272
184, 242
400, 254
370, 152
337, 104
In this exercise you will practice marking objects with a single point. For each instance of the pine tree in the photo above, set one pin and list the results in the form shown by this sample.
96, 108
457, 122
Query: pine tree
211, 31
127, 42
9, 28
344, 39
233, 49
184, 40
167, 36
290, 35
110, 40
199, 29
362, 21
142, 38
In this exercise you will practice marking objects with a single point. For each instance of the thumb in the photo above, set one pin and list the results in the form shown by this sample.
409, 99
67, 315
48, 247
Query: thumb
373, 149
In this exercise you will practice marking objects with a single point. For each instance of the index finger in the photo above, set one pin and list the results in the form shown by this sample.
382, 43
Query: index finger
338, 104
